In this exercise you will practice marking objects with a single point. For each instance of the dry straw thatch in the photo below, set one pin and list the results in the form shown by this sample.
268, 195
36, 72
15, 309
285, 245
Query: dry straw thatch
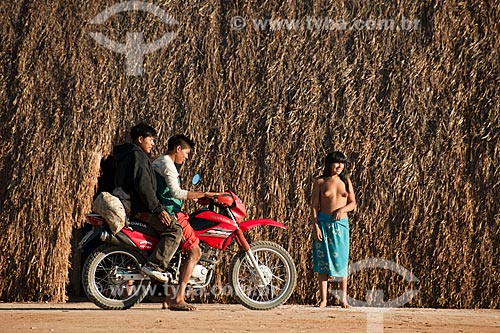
416, 111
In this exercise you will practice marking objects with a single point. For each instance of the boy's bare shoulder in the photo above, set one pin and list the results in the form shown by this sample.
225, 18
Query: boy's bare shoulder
319, 180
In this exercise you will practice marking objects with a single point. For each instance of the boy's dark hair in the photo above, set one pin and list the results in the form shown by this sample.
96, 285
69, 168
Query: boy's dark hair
142, 130
179, 140
337, 157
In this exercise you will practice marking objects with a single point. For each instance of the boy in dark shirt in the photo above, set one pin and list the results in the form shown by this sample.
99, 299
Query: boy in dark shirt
135, 175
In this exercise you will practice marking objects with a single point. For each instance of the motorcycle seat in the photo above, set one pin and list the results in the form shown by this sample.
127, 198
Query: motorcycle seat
201, 210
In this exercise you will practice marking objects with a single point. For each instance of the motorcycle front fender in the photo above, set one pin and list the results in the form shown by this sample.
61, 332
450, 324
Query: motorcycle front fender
244, 226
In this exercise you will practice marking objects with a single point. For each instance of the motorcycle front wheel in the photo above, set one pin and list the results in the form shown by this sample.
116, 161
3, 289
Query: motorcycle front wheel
103, 278
278, 270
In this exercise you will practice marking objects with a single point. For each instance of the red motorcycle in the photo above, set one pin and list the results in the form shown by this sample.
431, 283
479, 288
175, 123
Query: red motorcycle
262, 274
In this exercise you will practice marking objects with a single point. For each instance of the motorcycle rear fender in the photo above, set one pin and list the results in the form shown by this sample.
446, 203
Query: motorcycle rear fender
89, 236
244, 226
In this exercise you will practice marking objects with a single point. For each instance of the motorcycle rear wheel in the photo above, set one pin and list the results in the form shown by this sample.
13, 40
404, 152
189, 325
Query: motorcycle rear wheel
100, 278
279, 272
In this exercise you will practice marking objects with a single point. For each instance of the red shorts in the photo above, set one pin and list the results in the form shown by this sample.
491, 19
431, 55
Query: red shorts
189, 239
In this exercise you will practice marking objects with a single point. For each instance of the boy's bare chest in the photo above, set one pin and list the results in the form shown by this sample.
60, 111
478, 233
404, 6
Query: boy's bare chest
333, 188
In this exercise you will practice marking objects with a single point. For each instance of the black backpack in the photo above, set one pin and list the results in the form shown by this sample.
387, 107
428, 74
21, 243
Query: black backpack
106, 182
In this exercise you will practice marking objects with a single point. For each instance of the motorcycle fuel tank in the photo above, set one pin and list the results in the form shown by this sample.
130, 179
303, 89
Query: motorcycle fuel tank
212, 228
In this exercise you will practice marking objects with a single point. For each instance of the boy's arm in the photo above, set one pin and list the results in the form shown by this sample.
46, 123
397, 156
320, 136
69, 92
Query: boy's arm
143, 186
315, 202
172, 181
351, 199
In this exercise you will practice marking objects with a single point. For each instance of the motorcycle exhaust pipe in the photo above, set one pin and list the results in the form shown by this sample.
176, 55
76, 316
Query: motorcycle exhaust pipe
108, 238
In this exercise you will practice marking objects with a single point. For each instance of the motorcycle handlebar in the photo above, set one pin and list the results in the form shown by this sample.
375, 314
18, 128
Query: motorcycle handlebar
223, 199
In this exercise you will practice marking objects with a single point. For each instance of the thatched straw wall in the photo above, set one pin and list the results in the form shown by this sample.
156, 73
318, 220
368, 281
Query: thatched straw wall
416, 111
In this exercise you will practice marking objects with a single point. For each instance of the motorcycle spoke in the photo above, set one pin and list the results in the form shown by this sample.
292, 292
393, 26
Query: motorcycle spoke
276, 267
105, 275
274, 271
278, 278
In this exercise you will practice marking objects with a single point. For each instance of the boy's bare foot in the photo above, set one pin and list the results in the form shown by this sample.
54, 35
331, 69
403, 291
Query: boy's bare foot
181, 306
344, 305
169, 298
321, 304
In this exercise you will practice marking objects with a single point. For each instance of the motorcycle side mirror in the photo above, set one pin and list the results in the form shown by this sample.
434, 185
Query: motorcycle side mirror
196, 179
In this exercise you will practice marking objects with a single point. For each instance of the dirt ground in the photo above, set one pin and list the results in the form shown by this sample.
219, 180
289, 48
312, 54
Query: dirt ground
86, 317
